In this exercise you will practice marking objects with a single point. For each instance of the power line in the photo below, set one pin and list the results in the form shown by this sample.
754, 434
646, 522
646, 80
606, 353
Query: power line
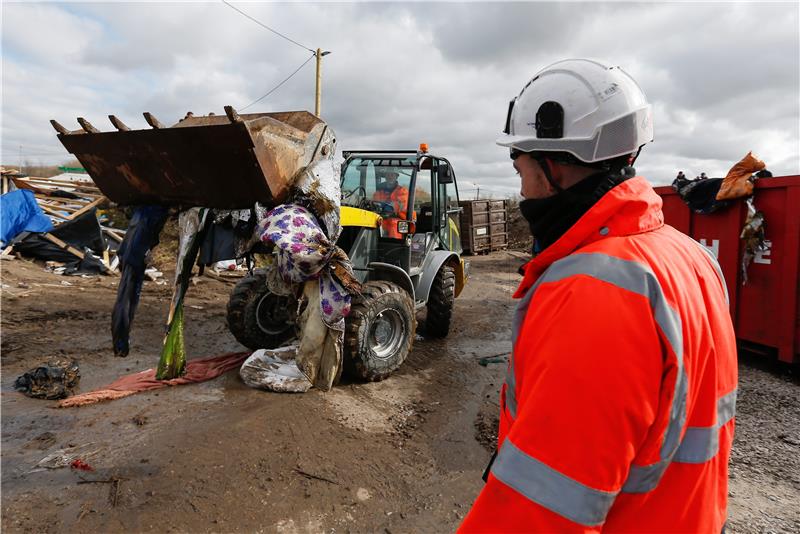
259, 99
265, 26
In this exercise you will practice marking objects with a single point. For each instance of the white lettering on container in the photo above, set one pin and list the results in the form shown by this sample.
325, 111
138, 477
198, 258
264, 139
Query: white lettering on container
762, 256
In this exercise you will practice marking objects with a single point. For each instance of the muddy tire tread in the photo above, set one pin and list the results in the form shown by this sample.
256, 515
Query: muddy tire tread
357, 354
241, 317
440, 303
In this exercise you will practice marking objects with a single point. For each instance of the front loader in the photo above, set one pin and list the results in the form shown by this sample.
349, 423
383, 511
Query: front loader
408, 257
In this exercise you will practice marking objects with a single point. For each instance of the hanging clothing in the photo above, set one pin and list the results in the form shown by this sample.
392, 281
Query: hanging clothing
192, 225
617, 412
305, 256
141, 237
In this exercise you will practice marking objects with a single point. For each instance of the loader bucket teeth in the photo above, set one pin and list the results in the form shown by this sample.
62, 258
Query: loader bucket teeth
59, 128
232, 115
87, 126
152, 121
228, 161
118, 124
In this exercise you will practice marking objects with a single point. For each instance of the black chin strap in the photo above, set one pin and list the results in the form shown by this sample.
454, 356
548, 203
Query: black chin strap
545, 165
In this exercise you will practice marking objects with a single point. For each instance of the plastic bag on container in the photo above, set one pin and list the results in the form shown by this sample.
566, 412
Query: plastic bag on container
737, 183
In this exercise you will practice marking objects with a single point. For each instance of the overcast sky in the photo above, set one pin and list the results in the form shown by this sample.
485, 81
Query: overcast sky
724, 78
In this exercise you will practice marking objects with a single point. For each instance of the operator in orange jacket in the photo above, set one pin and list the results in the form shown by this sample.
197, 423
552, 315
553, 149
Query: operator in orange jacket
617, 412
392, 193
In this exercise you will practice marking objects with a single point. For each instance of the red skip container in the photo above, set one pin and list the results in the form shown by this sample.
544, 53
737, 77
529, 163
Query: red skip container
765, 310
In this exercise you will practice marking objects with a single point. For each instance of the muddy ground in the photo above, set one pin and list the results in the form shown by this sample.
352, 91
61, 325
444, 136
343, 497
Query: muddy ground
403, 455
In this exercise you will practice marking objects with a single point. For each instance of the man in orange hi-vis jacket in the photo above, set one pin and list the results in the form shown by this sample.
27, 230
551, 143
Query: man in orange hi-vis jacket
394, 194
617, 412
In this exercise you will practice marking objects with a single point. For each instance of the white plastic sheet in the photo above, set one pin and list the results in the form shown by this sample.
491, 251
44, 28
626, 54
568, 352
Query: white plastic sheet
274, 370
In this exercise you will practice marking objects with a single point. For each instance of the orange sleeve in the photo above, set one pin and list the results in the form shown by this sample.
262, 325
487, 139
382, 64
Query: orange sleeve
401, 201
587, 367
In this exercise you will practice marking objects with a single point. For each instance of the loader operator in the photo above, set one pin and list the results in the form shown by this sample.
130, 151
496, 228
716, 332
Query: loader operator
393, 195
617, 412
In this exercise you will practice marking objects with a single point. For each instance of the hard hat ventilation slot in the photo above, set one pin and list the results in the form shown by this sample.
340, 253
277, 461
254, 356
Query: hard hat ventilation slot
550, 121
507, 129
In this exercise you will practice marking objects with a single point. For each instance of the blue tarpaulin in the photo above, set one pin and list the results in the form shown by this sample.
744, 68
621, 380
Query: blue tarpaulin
19, 212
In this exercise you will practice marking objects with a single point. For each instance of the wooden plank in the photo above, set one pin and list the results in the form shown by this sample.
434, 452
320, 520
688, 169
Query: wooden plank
89, 191
51, 205
61, 244
39, 182
52, 212
118, 231
23, 184
113, 235
87, 207
89, 184
8, 250
62, 200
47, 192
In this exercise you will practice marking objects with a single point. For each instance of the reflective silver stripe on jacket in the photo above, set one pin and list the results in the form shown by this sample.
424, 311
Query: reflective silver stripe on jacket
516, 326
700, 444
717, 268
547, 487
582, 504
639, 279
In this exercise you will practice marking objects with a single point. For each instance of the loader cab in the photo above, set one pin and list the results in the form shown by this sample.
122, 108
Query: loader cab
436, 202
414, 194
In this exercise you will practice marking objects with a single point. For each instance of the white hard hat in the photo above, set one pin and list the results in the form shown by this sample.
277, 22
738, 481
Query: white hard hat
581, 107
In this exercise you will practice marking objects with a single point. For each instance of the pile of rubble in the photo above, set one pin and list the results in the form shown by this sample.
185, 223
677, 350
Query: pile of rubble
59, 220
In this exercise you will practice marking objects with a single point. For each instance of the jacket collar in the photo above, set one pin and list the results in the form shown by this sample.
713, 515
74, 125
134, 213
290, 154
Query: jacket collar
630, 208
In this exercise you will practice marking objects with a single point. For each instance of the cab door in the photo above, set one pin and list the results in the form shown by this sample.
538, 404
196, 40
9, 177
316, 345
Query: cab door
446, 210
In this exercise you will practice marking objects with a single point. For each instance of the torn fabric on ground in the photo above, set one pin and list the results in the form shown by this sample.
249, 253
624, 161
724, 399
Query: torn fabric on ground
199, 370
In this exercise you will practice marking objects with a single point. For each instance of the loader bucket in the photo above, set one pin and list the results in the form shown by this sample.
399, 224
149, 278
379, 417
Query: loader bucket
217, 161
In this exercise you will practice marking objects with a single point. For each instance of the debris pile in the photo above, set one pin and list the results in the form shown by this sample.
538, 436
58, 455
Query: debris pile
60, 221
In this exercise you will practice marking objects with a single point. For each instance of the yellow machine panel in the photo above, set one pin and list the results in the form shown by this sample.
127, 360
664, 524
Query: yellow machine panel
351, 216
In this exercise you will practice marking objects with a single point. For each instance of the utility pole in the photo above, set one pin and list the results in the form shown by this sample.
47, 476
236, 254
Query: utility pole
318, 94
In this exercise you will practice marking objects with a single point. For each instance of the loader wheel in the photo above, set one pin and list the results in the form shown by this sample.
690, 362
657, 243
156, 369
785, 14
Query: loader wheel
258, 318
440, 303
379, 331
